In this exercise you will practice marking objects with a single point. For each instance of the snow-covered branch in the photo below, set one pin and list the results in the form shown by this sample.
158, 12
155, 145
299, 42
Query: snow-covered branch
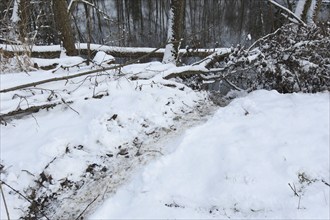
287, 11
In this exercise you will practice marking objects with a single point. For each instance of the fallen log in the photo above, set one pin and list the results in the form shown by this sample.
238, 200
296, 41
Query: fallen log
216, 55
23, 112
33, 84
54, 51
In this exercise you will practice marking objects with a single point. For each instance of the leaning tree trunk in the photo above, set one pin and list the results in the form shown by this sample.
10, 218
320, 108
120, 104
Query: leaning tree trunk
174, 33
62, 20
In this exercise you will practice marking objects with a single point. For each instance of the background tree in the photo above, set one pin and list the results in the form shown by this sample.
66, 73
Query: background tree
23, 23
175, 30
308, 10
63, 25
136, 23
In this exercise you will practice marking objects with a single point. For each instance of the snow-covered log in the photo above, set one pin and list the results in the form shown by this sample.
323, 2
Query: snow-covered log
54, 51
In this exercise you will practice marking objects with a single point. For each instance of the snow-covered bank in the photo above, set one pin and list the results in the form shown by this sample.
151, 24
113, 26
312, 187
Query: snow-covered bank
242, 163
106, 125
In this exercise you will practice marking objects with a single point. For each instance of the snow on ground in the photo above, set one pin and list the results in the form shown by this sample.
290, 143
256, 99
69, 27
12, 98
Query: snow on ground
106, 126
240, 164
102, 127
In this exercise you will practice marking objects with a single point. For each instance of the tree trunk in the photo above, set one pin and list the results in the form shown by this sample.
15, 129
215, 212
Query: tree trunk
317, 9
174, 33
308, 10
89, 35
23, 24
62, 20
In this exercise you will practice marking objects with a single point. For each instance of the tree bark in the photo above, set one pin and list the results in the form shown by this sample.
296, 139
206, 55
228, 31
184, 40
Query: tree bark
308, 10
89, 35
175, 29
23, 23
63, 21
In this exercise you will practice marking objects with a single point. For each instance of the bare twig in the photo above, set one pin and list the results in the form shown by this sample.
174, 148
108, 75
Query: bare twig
67, 104
263, 38
4, 201
233, 85
327, 184
287, 11
35, 120
76, 75
299, 202
24, 197
80, 215
294, 190
154, 151
28, 172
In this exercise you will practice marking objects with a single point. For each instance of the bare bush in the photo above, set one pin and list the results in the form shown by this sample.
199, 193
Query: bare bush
294, 59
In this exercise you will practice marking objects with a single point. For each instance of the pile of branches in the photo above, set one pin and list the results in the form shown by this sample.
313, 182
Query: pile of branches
16, 63
294, 58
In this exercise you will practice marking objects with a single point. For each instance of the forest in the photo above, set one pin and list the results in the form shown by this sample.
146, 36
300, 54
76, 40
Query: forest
201, 26
208, 24
164, 109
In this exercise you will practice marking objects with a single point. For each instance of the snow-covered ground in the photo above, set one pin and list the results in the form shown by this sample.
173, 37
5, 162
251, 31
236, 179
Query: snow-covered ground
102, 126
239, 165
124, 144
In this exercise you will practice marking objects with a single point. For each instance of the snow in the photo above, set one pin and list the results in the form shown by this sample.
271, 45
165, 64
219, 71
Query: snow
122, 136
97, 47
101, 57
35, 48
238, 165
106, 113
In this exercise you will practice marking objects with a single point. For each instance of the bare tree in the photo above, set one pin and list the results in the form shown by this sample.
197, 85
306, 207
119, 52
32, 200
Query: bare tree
174, 33
62, 20
23, 23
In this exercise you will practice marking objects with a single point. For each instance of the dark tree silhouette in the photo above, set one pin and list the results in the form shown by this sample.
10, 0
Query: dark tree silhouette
62, 20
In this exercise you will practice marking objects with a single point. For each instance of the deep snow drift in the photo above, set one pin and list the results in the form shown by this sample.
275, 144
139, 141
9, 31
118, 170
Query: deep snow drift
242, 163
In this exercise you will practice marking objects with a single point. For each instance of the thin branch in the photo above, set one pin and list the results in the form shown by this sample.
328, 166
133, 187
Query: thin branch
293, 189
4, 201
19, 193
51, 80
263, 38
70, 5
80, 215
67, 104
233, 85
77, 75
287, 11
327, 184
